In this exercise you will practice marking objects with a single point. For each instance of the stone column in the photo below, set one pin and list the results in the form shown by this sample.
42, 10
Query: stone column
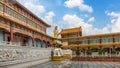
11, 33
33, 42
33, 39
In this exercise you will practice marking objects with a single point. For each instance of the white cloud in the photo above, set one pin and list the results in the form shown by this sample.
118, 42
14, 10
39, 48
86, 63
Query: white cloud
92, 19
115, 21
71, 21
49, 17
85, 15
113, 14
37, 9
78, 3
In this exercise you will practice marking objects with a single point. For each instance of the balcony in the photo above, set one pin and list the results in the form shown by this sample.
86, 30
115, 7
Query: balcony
5, 26
20, 31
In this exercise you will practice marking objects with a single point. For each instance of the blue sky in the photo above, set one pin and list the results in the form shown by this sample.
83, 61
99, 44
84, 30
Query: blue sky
94, 16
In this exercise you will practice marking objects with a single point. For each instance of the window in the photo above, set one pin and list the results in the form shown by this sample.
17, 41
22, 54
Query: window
105, 40
84, 41
64, 35
94, 41
1, 7
117, 39
45, 30
16, 15
39, 27
73, 34
32, 23
73, 42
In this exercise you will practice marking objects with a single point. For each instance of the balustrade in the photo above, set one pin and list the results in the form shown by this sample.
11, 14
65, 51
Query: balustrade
16, 53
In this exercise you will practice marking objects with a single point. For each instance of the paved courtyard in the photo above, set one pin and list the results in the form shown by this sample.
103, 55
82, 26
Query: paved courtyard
68, 64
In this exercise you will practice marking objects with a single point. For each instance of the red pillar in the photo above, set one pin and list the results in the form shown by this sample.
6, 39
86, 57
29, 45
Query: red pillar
33, 42
33, 39
11, 33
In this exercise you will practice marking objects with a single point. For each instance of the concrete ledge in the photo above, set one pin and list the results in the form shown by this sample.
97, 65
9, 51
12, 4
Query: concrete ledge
20, 61
25, 64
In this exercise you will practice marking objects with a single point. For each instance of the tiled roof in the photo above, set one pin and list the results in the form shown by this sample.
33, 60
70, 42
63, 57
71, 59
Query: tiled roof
71, 30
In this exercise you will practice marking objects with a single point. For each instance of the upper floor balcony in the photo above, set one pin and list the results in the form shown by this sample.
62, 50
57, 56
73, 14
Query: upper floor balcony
17, 17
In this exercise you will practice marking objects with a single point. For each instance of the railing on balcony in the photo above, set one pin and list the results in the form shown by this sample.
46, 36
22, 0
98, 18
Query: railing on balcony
17, 30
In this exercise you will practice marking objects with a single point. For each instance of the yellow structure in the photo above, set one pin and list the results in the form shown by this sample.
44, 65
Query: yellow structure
56, 32
67, 56
57, 58
58, 55
68, 53
99, 44
55, 35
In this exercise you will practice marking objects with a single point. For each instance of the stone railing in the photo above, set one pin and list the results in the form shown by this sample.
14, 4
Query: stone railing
19, 54
9, 43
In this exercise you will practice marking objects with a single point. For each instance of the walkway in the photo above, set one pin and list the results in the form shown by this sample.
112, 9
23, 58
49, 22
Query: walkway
68, 64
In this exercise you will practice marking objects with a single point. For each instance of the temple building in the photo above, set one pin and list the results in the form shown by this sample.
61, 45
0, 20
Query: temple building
19, 25
99, 44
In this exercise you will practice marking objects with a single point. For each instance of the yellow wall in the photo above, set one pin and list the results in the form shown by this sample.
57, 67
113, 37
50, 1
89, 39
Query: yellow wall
64, 43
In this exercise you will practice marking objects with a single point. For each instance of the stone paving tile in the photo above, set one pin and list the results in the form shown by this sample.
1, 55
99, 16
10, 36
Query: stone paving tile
69, 64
